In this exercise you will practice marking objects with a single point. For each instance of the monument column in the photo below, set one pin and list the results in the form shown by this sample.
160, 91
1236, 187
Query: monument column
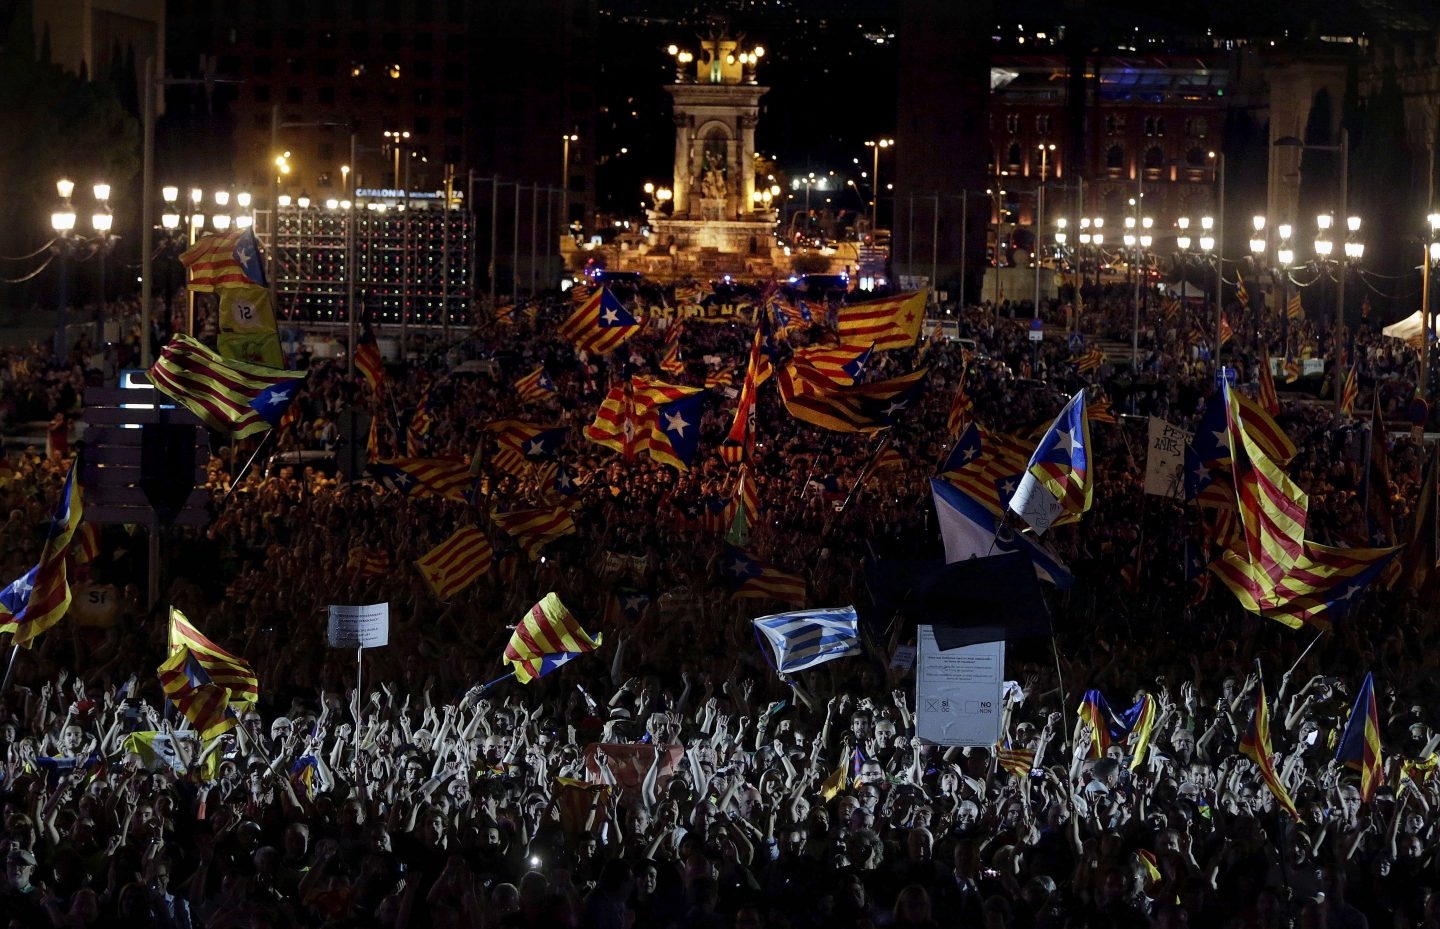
684, 141
747, 163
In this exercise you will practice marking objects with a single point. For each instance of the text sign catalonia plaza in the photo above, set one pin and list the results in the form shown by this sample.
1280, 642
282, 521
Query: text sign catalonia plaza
365, 626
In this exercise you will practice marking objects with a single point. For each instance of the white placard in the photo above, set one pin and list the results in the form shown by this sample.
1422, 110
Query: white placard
958, 692
1164, 460
364, 626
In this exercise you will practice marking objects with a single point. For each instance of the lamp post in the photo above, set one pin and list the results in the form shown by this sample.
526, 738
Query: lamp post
1343, 149
1285, 259
1045, 150
1432, 258
565, 139
1137, 243
875, 145
1182, 242
68, 243
195, 220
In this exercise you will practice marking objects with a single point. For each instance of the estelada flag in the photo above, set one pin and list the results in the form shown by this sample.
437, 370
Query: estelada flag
549, 628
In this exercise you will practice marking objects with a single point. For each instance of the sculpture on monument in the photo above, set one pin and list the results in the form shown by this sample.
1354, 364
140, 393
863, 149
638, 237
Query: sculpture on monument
712, 184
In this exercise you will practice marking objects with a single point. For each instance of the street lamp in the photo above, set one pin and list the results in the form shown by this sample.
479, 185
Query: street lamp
68, 243
565, 139
1138, 244
396, 139
875, 145
1432, 260
1343, 149
1045, 150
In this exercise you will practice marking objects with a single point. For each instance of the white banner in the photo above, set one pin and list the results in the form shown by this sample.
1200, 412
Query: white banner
958, 692
1165, 459
365, 626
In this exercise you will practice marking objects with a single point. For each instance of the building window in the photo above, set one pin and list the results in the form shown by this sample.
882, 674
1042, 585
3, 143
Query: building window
454, 97
1044, 124
297, 65
1115, 157
294, 38
454, 125
326, 151
1115, 124
1154, 158
328, 39
1012, 123
262, 66
360, 40
294, 95
422, 125
1196, 156
261, 93
325, 67
1154, 126
327, 94
1197, 127
1013, 156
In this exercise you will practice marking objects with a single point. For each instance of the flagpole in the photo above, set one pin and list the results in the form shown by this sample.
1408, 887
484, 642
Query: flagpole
246, 470
360, 706
865, 472
1312, 644
10, 668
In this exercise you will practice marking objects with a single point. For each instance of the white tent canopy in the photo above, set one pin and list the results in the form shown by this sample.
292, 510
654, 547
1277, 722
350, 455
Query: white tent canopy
1409, 329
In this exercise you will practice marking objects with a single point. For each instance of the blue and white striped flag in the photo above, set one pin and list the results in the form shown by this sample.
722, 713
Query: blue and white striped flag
806, 638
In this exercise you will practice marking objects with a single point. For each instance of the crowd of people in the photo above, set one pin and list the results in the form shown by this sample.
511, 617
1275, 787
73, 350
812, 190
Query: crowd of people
671, 778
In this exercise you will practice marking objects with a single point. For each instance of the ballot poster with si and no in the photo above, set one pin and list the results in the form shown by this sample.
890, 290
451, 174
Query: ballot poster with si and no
958, 691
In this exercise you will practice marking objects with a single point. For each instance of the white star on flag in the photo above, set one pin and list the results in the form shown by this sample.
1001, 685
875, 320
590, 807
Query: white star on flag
675, 422
537, 447
279, 396
610, 316
739, 567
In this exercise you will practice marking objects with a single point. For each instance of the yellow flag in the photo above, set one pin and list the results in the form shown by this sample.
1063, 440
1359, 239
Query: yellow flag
247, 325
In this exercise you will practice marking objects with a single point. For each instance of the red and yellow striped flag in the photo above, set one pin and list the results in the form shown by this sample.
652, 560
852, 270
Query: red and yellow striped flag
549, 628
205, 703
1349, 393
455, 564
1269, 399
890, 322
227, 670
1256, 746
534, 529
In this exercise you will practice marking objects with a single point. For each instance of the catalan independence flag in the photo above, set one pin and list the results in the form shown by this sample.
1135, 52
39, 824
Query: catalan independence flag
225, 258
862, 408
1349, 393
1267, 397
1359, 746
1059, 480
1256, 746
221, 391
418, 477
601, 324
841, 366
1018, 761
457, 562
202, 701
747, 576
368, 360
739, 443
38, 599
533, 529
225, 669
962, 408
549, 628
536, 386
890, 322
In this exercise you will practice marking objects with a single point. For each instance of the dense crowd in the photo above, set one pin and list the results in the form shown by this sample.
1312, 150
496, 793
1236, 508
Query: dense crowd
671, 778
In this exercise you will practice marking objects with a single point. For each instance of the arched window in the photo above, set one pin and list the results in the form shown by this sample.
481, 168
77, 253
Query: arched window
1012, 157
1195, 156
1012, 123
1115, 157
1154, 158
